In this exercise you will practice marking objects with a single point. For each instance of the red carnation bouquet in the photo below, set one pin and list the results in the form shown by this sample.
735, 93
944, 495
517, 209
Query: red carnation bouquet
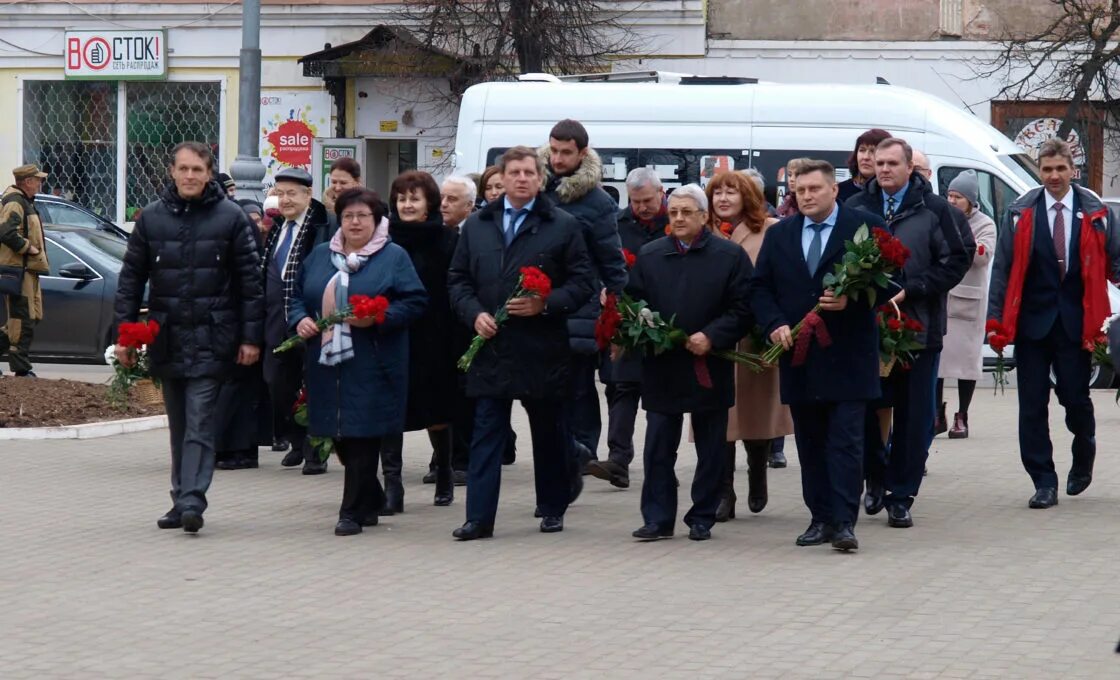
870, 258
322, 446
998, 339
359, 307
898, 339
634, 327
531, 283
136, 337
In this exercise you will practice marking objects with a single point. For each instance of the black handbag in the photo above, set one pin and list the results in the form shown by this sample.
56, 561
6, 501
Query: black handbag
11, 280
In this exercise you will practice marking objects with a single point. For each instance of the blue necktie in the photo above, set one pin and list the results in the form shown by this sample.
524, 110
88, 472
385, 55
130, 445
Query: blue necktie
286, 244
511, 230
814, 258
889, 214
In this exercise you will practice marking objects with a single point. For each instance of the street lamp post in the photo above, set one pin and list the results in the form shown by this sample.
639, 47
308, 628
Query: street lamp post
247, 170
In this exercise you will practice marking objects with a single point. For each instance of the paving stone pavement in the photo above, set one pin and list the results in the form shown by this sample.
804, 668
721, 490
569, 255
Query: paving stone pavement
981, 587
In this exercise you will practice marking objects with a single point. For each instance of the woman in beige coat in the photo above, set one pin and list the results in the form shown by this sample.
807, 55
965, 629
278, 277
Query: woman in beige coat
738, 212
967, 306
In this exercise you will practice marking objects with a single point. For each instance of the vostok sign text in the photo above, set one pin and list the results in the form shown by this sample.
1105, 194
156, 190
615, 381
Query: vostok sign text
116, 55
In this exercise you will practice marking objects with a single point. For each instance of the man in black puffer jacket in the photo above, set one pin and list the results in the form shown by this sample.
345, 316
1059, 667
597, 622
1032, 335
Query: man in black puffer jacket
939, 259
573, 175
198, 253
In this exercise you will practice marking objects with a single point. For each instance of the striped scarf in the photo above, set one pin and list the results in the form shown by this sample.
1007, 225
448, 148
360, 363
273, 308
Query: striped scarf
337, 342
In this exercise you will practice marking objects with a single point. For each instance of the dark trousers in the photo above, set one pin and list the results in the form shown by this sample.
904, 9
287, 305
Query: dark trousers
551, 453
829, 438
622, 410
584, 421
1071, 364
362, 495
659, 490
914, 392
875, 450
16, 338
462, 429
284, 375
191, 417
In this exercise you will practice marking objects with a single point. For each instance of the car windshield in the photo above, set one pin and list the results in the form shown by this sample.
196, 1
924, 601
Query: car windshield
1021, 165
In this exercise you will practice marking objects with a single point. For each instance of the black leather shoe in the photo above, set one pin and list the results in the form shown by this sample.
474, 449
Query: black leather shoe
227, 464
292, 458
472, 530
609, 471
844, 538
873, 498
1075, 484
652, 532
430, 478
816, 534
444, 497
192, 521
699, 532
370, 520
537, 512
280, 445
1043, 498
898, 516
347, 527
777, 459
171, 520
314, 467
26, 374
552, 525
459, 477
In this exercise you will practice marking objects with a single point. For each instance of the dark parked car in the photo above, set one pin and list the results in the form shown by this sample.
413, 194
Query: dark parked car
61, 212
78, 295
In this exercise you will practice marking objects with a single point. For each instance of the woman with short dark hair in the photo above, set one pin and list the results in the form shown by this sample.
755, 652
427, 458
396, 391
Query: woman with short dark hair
357, 371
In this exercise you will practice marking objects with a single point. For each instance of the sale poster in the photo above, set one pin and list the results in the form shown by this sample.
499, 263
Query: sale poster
290, 122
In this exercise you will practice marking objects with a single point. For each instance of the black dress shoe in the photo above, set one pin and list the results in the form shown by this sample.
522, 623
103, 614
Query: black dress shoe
314, 467
472, 530
280, 445
292, 458
227, 464
898, 516
777, 459
26, 374
192, 521
347, 527
537, 512
1075, 484
1044, 498
699, 532
652, 532
552, 525
609, 471
370, 520
430, 478
171, 520
873, 499
459, 477
844, 538
816, 534
444, 497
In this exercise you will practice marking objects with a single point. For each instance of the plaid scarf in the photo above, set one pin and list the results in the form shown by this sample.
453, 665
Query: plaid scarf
300, 245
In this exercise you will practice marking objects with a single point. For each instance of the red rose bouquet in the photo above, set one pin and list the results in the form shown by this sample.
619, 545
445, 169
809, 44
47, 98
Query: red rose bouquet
136, 337
532, 283
898, 339
870, 258
998, 339
322, 446
635, 328
359, 307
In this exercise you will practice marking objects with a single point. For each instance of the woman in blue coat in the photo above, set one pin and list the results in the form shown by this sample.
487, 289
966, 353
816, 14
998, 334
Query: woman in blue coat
357, 372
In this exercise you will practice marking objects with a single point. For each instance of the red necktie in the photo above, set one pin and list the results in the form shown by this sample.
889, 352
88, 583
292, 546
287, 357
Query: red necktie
1060, 237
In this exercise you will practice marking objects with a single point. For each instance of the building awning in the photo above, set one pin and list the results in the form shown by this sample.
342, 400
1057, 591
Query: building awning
389, 51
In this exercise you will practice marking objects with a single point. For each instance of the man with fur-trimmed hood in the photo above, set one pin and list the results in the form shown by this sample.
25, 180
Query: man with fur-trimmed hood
573, 175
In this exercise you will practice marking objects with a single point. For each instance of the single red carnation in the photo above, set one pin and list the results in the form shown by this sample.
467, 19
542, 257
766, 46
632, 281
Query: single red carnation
630, 258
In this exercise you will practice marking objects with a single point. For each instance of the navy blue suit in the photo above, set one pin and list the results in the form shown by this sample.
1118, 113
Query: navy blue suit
1049, 335
828, 394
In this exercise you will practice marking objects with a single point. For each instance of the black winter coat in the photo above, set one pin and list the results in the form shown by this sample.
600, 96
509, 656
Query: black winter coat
432, 339
634, 236
201, 261
783, 292
940, 254
529, 357
705, 289
581, 196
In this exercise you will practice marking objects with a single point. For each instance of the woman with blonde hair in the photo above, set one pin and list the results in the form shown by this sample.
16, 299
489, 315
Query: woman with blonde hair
738, 213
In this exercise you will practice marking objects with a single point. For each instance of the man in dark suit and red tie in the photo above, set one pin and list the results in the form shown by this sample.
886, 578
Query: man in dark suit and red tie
828, 393
1049, 292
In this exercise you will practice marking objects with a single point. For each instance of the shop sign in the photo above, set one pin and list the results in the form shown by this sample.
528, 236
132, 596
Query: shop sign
1034, 133
116, 55
290, 122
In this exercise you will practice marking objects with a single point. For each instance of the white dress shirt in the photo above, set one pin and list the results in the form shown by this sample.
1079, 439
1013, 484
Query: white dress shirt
1067, 210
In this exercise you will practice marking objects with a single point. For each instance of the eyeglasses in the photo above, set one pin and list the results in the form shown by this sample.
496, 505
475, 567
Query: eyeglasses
289, 194
356, 217
677, 212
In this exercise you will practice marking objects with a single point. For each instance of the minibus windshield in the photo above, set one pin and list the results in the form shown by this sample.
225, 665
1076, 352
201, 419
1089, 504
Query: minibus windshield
1021, 165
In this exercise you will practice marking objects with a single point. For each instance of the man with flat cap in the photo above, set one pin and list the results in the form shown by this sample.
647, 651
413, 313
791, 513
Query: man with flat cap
303, 225
23, 258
